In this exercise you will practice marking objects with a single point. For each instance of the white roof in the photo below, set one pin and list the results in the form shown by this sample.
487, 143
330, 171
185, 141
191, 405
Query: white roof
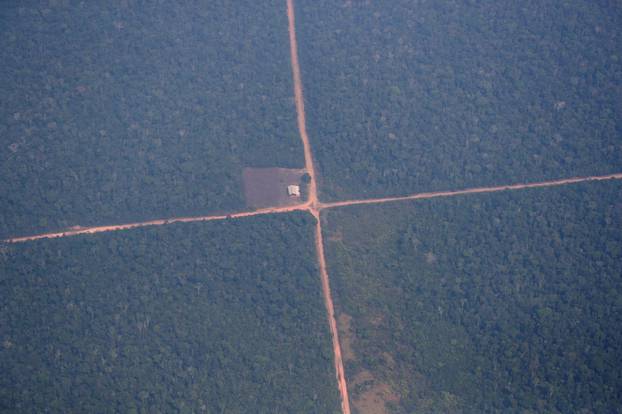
293, 190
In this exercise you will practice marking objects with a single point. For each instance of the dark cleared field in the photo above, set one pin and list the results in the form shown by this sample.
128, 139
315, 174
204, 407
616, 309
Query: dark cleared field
267, 187
508, 302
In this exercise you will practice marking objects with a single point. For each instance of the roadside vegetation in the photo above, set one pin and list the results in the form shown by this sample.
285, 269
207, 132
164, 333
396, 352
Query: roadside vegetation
507, 302
187, 318
436, 95
124, 111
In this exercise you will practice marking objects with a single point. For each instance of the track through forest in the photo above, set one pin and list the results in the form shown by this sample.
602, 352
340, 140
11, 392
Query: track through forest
312, 204
476, 190
75, 231
314, 207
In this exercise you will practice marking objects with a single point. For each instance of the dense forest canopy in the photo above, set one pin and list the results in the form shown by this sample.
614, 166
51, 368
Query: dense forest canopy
408, 96
508, 303
125, 110
188, 318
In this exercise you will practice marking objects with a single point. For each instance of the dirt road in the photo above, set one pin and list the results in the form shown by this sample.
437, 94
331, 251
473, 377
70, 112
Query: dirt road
313, 206
300, 104
330, 310
477, 190
318, 207
313, 203
74, 231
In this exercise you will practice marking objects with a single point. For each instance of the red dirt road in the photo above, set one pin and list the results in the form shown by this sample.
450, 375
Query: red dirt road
75, 231
312, 204
330, 310
300, 104
477, 190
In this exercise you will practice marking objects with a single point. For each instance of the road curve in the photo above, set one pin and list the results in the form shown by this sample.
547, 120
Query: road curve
476, 190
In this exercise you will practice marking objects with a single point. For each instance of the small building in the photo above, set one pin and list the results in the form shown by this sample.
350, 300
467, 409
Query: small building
293, 190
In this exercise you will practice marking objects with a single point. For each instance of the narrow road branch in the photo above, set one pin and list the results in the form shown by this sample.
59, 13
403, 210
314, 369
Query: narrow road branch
477, 190
75, 231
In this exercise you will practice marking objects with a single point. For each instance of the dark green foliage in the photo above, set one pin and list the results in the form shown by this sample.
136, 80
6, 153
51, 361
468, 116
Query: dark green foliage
215, 317
508, 303
436, 94
121, 111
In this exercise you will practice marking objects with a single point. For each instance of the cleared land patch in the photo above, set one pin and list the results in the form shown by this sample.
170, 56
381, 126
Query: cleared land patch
504, 302
371, 396
207, 317
267, 187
